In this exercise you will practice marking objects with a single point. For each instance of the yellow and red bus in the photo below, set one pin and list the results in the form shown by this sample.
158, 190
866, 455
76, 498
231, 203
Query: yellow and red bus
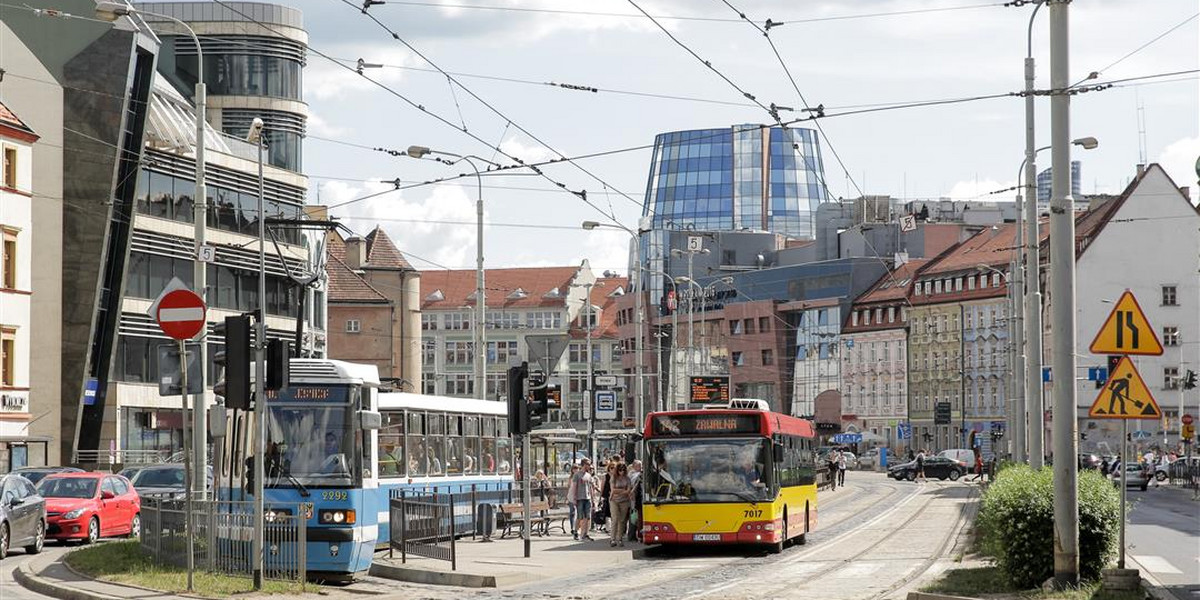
733, 474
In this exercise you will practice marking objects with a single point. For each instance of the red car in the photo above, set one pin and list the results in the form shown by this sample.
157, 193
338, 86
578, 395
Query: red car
89, 506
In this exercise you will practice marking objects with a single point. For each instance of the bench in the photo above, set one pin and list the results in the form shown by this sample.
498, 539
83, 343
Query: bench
512, 517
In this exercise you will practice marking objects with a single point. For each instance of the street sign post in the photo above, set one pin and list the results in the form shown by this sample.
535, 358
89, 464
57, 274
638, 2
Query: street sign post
606, 404
180, 314
1127, 331
606, 380
1125, 396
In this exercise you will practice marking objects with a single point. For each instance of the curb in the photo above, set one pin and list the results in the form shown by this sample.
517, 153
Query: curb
928, 596
415, 575
1150, 583
38, 584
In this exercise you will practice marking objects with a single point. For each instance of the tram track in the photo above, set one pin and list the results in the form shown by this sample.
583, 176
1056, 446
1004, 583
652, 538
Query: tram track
944, 548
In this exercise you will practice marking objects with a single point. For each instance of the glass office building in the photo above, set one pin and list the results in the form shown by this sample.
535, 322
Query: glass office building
736, 178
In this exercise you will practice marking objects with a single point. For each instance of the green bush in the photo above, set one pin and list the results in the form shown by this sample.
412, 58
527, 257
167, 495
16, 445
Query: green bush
1016, 524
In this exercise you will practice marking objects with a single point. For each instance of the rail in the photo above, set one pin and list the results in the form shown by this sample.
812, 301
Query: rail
222, 532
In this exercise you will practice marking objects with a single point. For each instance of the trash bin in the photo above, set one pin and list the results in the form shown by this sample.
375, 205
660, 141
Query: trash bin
485, 520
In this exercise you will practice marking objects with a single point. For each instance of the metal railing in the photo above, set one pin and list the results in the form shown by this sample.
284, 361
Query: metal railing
423, 525
222, 534
120, 457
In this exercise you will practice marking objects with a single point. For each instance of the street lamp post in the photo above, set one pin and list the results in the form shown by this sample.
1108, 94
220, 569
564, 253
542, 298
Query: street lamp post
638, 317
674, 332
260, 360
111, 11
691, 308
479, 331
1031, 427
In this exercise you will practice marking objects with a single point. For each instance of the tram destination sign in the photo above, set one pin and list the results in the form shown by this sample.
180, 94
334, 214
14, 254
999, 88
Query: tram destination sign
705, 424
333, 394
710, 389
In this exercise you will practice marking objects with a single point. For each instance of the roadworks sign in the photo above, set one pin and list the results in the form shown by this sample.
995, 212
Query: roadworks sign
1127, 331
1125, 396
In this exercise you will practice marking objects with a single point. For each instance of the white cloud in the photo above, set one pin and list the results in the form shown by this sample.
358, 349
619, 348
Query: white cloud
532, 152
981, 190
324, 80
1178, 159
437, 227
320, 127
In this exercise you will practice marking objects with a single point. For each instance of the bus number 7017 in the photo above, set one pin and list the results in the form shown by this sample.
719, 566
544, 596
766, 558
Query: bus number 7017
753, 513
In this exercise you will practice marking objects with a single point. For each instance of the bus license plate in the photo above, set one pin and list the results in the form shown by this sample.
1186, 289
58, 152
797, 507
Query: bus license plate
706, 537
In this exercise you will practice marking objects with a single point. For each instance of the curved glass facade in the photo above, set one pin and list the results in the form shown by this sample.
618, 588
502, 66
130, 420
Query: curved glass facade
242, 75
742, 177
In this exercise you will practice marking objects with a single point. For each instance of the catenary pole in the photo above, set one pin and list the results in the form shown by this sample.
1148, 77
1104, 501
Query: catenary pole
1030, 415
1062, 279
260, 376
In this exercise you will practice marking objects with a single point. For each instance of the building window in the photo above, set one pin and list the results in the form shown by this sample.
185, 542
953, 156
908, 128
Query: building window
995, 280
456, 321
504, 319
462, 384
970, 283
878, 316
768, 357
429, 322
737, 359
544, 320
854, 318
749, 325
428, 352
1170, 378
428, 384
8, 260
10, 167
937, 286
928, 288
764, 324
1170, 336
891, 314
958, 284
735, 327
1169, 296
460, 353
8, 357
353, 326
917, 289
501, 353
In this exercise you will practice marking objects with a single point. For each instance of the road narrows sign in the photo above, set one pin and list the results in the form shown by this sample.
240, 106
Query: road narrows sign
1127, 331
180, 314
1125, 396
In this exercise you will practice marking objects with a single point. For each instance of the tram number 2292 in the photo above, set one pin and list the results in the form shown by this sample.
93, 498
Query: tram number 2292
333, 495
752, 513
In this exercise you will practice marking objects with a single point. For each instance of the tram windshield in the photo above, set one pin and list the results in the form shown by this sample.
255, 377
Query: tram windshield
312, 443
708, 470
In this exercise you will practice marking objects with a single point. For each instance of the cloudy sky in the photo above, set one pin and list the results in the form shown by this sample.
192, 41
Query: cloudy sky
844, 55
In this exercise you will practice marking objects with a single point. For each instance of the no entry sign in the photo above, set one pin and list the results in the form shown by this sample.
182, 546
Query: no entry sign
180, 314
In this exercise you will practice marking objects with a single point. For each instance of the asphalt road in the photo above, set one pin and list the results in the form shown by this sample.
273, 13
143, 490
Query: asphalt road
1162, 537
17, 557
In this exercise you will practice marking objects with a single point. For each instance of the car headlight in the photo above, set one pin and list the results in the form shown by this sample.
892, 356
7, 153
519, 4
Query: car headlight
336, 516
75, 514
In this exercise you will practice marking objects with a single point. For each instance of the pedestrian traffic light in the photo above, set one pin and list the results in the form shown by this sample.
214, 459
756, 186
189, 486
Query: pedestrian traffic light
1189, 379
279, 355
518, 407
234, 359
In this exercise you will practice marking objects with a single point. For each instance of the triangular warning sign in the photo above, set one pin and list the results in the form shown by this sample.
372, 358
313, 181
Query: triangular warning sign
1125, 396
1127, 331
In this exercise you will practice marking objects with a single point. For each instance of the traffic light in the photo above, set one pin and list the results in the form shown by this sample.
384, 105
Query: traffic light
234, 385
279, 355
518, 407
545, 397
1189, 379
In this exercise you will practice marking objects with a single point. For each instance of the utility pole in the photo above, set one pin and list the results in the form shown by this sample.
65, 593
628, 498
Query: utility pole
1029, 416
260, 377
1016, 289
1062, 273
591, 376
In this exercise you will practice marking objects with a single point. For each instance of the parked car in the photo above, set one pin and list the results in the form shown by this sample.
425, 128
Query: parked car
869, 459
1088, 460
163, 481
1136, 476
963, 455
935, 466
89, 506
35, 474
22, 515
129, 472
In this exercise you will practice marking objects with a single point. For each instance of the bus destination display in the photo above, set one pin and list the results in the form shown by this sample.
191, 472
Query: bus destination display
310, 393
714, 424
710, 389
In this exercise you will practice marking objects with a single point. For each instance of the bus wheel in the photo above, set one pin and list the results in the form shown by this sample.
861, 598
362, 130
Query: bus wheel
803, 539
777, 547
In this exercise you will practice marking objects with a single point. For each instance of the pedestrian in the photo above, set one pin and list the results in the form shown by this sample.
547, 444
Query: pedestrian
620, 496
978, 464
606, 494
635, 512
921, 466
832, 466
841, 464
571, 501
583, 499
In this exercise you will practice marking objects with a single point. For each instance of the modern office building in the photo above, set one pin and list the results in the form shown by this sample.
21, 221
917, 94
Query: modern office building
1043, 184
736, 178
254, 56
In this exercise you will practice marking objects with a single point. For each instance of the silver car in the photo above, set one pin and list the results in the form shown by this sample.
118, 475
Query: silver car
22, 515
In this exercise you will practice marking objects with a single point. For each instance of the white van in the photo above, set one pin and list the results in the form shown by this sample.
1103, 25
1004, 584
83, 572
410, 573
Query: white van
964, 455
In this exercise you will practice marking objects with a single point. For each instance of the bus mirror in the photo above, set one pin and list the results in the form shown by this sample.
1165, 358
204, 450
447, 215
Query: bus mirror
369, 420
778, 448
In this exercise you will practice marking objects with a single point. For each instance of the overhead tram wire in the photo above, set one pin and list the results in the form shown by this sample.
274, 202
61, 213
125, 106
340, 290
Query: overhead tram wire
683, 17
497, 112
1097, 72
582, 194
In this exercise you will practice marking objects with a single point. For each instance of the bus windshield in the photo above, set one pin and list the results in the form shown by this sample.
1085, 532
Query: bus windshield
312, 444
708, 470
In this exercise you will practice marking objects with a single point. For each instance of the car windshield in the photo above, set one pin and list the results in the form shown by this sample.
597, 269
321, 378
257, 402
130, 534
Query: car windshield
708, 470
68, 487
34, 476
151, 478
310, 444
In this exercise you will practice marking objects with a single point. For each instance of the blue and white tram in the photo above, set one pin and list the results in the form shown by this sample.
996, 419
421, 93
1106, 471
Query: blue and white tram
323, 449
